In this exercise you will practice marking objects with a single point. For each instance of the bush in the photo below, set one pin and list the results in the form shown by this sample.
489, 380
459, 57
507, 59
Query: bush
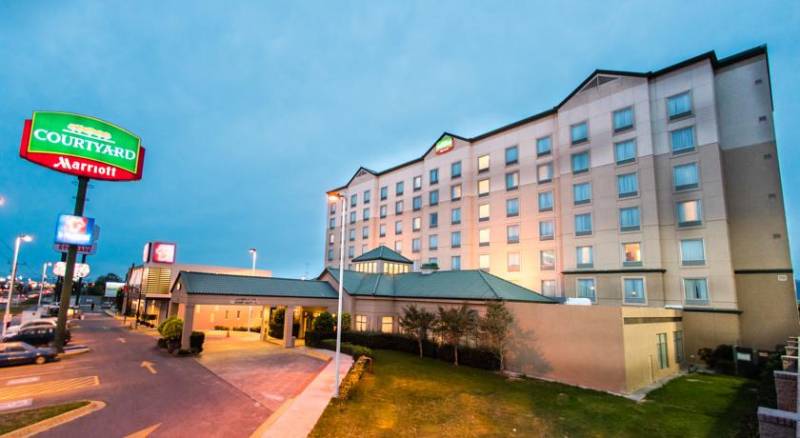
196, 341
171, 328
353, 376
324, 323
314, 338
347, 348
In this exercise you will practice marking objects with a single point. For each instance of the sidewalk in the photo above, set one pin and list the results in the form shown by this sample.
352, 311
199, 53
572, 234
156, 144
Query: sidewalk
297, 417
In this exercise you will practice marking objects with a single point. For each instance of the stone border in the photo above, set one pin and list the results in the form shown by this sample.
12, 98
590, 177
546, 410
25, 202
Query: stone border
56, 421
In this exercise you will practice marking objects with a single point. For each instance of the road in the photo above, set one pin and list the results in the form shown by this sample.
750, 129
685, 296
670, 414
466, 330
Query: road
144, 388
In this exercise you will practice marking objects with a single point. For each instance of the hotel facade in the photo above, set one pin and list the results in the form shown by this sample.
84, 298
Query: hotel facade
643, 189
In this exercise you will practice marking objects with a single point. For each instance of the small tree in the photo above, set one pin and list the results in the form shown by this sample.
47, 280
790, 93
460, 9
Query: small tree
455, 323
346, 322
417, 322
494, 329
324, 323
171, 328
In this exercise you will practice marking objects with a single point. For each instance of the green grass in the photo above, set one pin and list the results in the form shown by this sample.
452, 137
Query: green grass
407, 396
17, 420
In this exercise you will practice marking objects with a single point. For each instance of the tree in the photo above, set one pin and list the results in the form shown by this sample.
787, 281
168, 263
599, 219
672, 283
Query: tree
455, 323
417, 322
494, 329
99, 285
324, 323
346, 322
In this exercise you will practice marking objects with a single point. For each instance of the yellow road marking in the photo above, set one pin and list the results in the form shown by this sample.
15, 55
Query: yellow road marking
144, 433
47, 388
149, 366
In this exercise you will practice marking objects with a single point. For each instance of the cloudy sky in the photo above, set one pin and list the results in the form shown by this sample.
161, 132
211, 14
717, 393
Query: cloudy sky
250, 110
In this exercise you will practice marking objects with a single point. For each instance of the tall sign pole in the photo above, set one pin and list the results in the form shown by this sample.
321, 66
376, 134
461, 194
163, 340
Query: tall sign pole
72, 253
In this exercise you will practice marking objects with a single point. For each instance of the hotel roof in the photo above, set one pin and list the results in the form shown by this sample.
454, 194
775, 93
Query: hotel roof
382, 253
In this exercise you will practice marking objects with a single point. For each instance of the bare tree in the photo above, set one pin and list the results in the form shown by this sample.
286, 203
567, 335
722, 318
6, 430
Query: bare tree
417, 322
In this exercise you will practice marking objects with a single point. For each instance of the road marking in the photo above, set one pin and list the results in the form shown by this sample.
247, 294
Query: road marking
22, 380
121, 340
16, 404
144, 432
49, 369
149, 366
47, 388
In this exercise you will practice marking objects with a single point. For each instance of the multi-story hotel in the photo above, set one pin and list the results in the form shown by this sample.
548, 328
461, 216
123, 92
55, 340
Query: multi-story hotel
657, 189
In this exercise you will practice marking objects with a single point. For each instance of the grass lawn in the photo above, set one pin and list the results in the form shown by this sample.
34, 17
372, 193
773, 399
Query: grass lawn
16, 420
407, 396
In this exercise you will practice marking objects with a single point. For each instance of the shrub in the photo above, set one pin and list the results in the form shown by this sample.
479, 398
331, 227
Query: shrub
346, 322
347, 348
196, 341
324, 323
313, 338
353, 376
171, 328
276, 323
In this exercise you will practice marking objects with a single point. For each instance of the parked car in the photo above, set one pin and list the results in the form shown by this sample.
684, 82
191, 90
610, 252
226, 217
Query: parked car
38, 336
16, 353
14, 329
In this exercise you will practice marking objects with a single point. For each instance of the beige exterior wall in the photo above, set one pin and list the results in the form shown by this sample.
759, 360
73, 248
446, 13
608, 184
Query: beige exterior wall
641, 328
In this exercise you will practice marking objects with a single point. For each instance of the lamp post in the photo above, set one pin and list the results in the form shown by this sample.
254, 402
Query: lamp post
253, 255
41, 287
335, 197
7, 316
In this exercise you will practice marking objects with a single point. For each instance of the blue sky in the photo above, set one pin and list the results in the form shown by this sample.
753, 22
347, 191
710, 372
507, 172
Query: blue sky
251, 110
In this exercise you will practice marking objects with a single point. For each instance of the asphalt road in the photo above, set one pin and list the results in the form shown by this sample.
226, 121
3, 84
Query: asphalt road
179, 398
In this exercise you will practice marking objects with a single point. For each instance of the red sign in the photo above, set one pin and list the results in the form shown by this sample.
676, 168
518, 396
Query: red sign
162, 252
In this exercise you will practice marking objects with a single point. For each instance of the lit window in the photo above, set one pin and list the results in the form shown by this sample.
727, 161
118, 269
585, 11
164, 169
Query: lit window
513, 262
692, 252
686, 176
416, 245
512, 180
625, 152
483, 212
634, 290
483, 163
455, 216
584, 256
483, 187
689, 213
455, 192
483, 262
632, 252
387, 324
416, 223
417, 182
398, 227
586, 288
433, 176
579, 133
455, 169
547, 260
512, 234
483, 237
583, 224
629, 219
384, 193
696, 290
627, 185
682, 140
679, 105
455, 239
580, 162
546, 230
455, 263
663, 352
512, 155
331, 238
433, 241
512, 207
582, 193
546, 201
623, 119
361, 323
416, 203
398, 188
543, 146
544, 173
398, 207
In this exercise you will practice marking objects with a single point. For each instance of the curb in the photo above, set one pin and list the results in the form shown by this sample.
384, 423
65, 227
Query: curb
56, 421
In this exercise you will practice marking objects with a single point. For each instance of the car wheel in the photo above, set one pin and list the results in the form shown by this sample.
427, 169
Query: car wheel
40, 360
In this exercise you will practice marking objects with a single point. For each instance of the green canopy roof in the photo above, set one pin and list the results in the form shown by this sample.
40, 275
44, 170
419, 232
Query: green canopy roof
204, 283
382, 253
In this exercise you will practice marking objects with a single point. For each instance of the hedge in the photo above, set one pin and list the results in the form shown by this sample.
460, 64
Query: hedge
350, 381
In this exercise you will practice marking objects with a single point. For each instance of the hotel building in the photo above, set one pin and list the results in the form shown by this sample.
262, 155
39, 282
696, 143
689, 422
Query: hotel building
654, 189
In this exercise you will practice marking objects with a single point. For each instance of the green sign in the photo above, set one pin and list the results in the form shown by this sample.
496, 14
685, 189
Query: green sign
82, 145
444, 145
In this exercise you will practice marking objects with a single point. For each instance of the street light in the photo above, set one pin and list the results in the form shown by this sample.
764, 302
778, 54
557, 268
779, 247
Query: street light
7, 316
2, 200
41, 287
333, 197
253, 255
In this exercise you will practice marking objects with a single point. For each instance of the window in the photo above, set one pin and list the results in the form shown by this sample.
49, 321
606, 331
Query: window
483, 187
679, 105
586, 288
582, 193
483, 237
623, 119
416, 203
678, 339
512, 180
584, 256
547, 260
353, 200
398, 188
433, 220
332, 223
483, 262
361, 323
580, 162
625, 152
682, 140
579, 133
351, 251
387, 324
546, 230
483, 163
398, 207
689, 213
333, 207
543, 146
398, 227
512, 207
513, 262
455, 169
352, 217
544, 173
455, 192
382, 230
455, 216
398, 246
416, 244
632, 254
364, 232
383, 211
483, 212
416, 223
417, 182
583, 224
549, 288
546, 201
365, 214
455, 263
696, 290
331, 238
512, 234
685, 176
367, 196
433, 241
330, 254
512, 155
634, 290
433, 176
663, 353
629, 219
692, 252
433, 197
384, 193
455, 239
627, 185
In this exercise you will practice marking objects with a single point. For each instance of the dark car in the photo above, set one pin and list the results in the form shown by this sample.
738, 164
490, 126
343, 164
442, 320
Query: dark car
38, 336
16, 353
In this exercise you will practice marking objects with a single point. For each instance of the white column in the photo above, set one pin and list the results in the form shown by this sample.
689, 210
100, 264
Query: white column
188, 321
288, 320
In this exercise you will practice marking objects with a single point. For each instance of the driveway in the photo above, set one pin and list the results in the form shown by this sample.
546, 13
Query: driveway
268, 373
